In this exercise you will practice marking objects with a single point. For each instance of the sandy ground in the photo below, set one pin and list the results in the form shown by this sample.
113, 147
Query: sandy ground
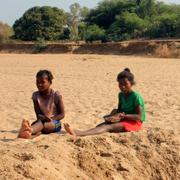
89, 89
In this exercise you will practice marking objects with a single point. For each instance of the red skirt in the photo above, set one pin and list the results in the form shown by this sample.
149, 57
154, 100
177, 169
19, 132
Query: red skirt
131, 125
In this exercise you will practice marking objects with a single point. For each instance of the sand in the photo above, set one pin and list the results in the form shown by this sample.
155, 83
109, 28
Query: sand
89, 89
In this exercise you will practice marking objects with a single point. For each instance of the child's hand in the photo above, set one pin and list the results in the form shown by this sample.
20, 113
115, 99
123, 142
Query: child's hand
44, 118
48, 119
111, 120
113, 112
114, 118
121, 115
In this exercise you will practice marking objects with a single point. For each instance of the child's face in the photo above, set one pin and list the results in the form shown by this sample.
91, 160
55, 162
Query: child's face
125, 85
42, 83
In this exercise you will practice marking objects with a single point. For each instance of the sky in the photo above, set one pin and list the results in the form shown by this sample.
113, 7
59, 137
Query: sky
11, 10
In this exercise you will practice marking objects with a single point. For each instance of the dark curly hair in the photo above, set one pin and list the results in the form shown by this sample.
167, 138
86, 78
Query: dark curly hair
126, 73
47, 73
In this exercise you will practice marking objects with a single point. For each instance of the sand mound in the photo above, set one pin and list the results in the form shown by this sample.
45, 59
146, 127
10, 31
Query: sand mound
149, 154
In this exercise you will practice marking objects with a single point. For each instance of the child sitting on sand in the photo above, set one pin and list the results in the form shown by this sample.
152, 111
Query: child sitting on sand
48, 106
128, 117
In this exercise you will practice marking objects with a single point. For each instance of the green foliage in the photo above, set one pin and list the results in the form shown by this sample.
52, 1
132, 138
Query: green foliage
39, 46
40, 22
5, 32
126, 26
84, 12
65, 35
105, 14
112, 20
165, 25
82, 31
177, 29
95, 33
127, 19
146, 8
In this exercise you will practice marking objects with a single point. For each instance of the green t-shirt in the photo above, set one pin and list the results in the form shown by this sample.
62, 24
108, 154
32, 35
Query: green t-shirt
128, 105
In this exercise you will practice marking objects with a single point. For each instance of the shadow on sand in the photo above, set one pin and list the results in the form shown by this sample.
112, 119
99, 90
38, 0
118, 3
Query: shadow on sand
4, 139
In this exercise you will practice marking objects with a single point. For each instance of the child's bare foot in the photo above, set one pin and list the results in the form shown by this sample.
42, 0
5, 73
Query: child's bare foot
25, 131
24, 135
68, 129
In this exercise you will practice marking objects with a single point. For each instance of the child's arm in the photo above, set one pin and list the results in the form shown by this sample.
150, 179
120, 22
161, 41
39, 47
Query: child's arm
60, 108
136, 116
113, 112
37, 109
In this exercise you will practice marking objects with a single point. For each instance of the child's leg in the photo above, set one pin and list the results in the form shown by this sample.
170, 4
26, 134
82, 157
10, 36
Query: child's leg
49, 127
37, 127
26, 130
116, 127
103, 123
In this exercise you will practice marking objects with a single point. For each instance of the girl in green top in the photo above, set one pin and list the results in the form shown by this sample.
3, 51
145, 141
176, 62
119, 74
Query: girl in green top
128, 117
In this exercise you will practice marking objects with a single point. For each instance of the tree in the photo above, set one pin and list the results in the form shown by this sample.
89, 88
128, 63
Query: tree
74, 18
112, 20
127, 26
165, 25
95, 33
40, 22
82, 28
177, 29
5, 32
126, 19
84, 12
65, 35
146, 8
75, 21
105, 14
